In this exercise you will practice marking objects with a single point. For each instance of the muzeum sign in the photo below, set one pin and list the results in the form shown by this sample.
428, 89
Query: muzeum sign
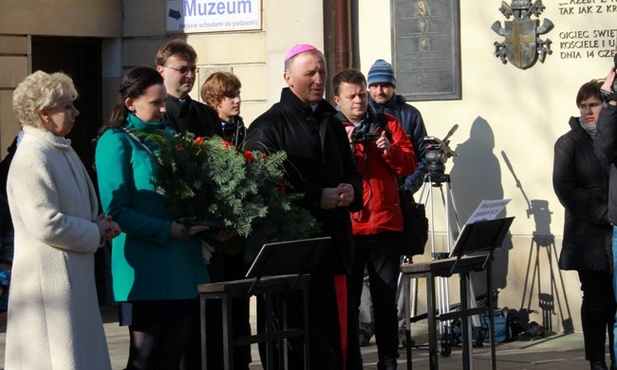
196, 16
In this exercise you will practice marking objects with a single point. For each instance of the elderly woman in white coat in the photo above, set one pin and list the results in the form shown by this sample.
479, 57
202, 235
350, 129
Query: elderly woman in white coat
54, 320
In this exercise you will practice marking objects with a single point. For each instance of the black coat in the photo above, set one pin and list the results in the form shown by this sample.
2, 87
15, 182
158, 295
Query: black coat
318, 156
192, 116
605, 146
581, 184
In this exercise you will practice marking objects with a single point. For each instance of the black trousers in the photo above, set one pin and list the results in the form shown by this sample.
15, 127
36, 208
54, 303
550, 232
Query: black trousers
380, 254
597, 313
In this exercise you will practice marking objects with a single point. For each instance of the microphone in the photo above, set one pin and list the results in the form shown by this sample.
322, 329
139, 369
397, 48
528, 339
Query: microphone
450, 133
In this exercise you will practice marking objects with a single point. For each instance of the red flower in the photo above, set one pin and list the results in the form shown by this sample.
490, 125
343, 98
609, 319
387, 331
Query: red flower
199, 140
264, 156
180, 149
227, 144
281, 186
248, 156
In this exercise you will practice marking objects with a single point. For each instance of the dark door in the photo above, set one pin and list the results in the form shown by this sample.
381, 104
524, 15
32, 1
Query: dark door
80, 58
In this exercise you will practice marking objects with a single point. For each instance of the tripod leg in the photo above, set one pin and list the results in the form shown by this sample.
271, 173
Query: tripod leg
568, 327
535, 274
527, 279
452, 205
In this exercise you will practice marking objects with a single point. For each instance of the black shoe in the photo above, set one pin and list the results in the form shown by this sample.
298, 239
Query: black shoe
365, 338
387, 365
598, 365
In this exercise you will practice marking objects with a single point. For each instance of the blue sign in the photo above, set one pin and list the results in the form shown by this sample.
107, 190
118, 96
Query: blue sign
193, 16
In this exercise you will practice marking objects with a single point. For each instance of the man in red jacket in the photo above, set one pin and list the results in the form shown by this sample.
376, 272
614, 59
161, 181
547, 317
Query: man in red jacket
383, 152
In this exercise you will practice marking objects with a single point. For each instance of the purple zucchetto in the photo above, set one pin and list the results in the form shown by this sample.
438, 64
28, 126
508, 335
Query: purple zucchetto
300, 48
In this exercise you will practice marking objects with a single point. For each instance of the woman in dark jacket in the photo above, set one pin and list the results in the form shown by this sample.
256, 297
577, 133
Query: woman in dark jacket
581, 184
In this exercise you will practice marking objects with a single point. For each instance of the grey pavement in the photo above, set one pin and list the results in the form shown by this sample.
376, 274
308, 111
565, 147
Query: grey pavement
554, 352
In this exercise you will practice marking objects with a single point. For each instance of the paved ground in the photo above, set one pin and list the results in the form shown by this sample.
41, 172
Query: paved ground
554, 352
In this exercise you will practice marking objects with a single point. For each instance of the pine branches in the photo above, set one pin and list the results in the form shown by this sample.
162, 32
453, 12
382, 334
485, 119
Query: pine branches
210, 180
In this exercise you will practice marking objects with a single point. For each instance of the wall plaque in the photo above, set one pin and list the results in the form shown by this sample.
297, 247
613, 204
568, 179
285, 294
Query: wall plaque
426, 51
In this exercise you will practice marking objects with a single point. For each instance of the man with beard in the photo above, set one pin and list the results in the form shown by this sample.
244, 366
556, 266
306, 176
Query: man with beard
383, 99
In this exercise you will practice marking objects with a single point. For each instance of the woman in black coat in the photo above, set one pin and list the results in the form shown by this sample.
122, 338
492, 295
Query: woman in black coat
581, 184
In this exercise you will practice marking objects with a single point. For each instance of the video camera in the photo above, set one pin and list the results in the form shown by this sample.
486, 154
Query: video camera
363, 137
437, 154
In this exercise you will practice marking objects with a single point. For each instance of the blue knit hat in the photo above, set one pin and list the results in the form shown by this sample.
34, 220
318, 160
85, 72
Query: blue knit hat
381, 73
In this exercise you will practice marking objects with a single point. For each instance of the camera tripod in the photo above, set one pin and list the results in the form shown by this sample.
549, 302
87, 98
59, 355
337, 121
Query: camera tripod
542, 239
453, 228
546, 300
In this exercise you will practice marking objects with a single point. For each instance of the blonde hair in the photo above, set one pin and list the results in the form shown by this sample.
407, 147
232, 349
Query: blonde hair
40, 91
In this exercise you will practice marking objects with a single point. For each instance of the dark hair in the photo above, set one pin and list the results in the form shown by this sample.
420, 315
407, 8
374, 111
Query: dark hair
588, 90
178, 48
350, 76
133, 85
218, 86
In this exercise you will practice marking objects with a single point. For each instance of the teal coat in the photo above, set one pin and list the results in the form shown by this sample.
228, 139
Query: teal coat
146, 263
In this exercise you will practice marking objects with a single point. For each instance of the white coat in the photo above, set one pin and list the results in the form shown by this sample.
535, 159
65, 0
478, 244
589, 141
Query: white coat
54, 322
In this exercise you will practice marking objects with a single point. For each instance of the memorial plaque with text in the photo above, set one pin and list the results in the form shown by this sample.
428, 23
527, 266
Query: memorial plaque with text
426, 50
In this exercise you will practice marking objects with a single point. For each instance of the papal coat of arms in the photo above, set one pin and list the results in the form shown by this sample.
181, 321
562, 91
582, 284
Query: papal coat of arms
522, 45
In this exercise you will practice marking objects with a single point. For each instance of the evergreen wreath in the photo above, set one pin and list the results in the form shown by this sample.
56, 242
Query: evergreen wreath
208, 180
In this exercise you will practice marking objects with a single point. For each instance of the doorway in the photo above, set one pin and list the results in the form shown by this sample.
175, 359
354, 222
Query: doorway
80, 58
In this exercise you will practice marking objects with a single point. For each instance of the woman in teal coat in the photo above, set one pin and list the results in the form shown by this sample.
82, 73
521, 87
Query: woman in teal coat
156, 262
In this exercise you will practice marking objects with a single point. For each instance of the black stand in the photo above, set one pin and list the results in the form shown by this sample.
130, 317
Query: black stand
473, 252
279, 269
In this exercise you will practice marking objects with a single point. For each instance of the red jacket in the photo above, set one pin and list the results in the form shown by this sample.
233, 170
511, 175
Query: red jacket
381, 210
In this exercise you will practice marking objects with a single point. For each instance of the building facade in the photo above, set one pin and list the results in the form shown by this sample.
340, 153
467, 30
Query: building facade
508, 117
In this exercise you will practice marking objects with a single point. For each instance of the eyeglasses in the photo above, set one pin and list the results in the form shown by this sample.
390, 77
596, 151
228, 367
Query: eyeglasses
184, 70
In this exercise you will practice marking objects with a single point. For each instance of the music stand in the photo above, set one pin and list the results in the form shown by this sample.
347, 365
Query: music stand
294, 257
278, 269
473, 251
480, 237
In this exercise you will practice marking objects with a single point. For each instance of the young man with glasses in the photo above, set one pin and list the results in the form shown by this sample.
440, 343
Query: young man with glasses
176, 62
